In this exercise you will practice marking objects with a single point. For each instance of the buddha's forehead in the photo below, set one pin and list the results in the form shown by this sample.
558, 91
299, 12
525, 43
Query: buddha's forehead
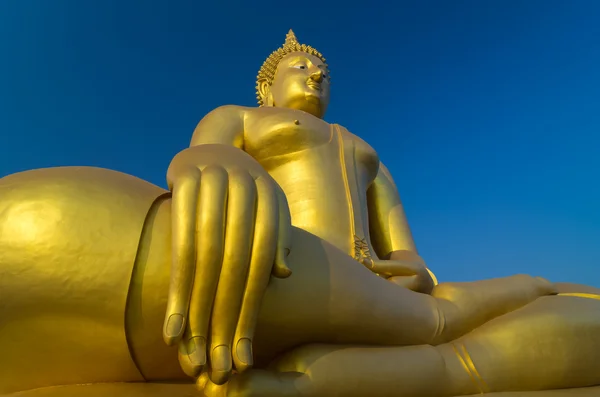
299, 55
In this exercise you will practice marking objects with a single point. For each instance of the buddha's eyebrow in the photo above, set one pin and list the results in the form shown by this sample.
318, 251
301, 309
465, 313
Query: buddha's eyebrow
299, 59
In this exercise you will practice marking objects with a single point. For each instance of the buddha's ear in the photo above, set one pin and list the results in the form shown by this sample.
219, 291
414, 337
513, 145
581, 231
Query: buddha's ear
264, 90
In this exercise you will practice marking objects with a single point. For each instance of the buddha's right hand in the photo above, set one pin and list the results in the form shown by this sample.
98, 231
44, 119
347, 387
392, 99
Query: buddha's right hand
231, 230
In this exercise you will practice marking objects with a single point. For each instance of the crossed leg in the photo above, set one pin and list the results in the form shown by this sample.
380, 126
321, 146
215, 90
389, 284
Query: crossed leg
331, 298
552, 343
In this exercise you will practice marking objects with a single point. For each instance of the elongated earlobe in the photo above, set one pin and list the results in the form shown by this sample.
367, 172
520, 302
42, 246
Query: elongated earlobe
265, 97
263, 92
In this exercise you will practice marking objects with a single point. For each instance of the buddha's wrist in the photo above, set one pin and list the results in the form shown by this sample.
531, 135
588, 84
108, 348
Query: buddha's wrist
227, 156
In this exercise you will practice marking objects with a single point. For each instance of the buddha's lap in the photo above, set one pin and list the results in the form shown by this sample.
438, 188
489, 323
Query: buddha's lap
69, 244
83, 225
181, 390
70, 238
551, 343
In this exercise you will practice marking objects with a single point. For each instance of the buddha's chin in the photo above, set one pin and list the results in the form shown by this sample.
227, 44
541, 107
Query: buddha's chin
313, 101
313, 106
309, 103
313, 98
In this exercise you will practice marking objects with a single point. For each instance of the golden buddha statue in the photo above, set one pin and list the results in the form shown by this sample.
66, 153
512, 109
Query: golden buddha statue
279, 263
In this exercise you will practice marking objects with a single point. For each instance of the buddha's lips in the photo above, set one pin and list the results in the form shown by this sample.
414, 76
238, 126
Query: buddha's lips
314, 84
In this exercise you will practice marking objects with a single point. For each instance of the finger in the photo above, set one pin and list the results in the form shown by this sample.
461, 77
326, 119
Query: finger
261, 262
228, 300
433, 277
209, 389
281, 268
209, 256
389, 268
187, 350
184, 207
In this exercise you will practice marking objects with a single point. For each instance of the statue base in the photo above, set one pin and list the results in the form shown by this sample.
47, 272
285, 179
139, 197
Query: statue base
189, 390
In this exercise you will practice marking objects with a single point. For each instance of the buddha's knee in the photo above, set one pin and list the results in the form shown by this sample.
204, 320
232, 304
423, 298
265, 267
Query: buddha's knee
68, 242
565, 332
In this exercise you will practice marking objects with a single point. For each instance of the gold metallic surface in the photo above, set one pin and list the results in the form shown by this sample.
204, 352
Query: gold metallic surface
582, 295
279, 263
68, 242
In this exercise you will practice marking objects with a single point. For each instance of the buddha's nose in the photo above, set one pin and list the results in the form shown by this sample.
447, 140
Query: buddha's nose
317, 76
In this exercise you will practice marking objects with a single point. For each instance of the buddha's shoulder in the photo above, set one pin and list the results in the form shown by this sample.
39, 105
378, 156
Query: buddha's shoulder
363, 149
231, 110
247, 113
350, 135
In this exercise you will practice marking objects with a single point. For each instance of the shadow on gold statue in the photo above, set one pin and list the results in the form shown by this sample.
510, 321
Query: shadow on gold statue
278, 263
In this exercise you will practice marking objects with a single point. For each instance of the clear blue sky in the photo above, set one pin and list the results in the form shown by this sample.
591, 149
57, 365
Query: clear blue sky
486, 112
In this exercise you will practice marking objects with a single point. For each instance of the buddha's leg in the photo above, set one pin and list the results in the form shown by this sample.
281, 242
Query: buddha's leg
332, 298
84, 266
85, 271
68, 242
593, 391
553, 343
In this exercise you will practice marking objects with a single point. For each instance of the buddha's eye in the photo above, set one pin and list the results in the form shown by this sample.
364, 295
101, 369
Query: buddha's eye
300, 66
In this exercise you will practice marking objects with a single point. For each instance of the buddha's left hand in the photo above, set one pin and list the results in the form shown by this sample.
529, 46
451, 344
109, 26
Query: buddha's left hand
404, 268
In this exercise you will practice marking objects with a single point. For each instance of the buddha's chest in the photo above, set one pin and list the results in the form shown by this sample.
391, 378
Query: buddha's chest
275, 136
272, 132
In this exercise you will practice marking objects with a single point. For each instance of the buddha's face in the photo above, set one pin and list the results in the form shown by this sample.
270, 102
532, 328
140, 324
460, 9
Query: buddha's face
301, 82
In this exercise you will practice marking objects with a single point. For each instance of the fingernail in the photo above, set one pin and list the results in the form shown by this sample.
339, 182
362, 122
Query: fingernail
243, 350
285, 272
175, 325
281, 269
196, 348
220, 362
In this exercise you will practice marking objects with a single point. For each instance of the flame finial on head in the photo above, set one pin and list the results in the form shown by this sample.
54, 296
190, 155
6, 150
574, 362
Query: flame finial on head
290, 38
268, 68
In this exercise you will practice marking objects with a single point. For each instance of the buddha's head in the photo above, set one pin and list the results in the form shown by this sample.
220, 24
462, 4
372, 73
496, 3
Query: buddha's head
295, 77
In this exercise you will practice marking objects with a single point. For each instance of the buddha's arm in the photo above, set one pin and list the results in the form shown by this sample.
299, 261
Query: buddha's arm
231, 231
388, 227
224, 125
218, 138
223, 130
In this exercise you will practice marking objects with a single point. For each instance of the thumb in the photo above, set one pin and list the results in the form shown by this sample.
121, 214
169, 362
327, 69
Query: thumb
391, 268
